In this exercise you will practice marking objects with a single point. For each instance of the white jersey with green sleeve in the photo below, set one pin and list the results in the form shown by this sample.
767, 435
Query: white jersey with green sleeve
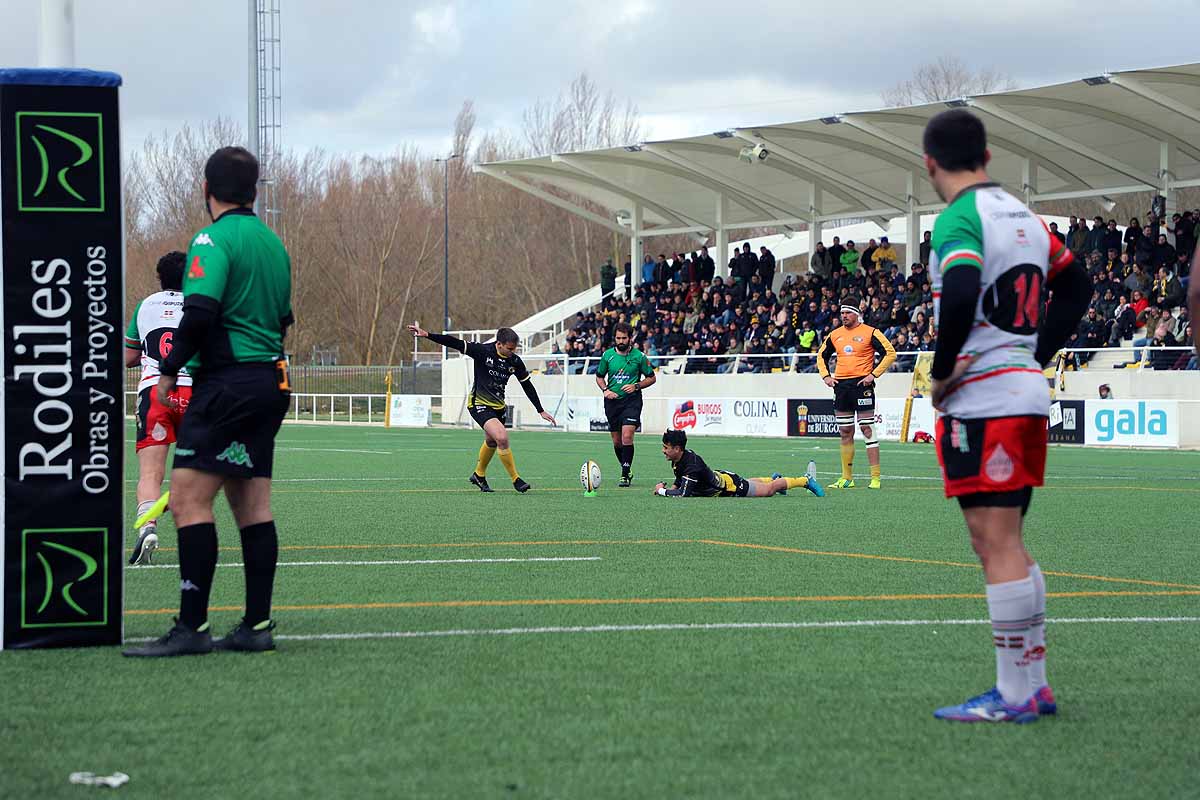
151, 330
987, 229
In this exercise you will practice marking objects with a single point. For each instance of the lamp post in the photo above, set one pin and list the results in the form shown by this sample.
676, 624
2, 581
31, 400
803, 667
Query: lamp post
445, 162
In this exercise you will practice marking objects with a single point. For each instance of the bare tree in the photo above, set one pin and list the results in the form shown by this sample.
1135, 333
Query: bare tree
948, 78
581, 118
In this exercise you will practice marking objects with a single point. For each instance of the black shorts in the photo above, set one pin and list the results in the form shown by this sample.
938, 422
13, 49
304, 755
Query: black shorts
231, 422
624, 411
481, 414
735, 485
849, 397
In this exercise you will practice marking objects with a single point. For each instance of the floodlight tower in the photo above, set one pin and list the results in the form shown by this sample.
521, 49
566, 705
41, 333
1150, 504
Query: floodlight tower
265, 111
56, 36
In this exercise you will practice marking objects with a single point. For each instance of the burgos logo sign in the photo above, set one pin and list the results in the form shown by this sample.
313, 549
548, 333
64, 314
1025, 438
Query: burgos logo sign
60, 161
64, 577
1142, 423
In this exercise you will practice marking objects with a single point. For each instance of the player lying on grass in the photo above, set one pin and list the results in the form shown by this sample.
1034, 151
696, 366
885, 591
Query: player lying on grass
495, 363
693, 478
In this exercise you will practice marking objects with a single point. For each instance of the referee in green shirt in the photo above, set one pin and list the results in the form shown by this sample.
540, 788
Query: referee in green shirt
237, 306
622, 375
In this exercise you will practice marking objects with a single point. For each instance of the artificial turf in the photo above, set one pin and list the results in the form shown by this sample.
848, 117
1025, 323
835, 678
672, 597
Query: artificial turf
636, 663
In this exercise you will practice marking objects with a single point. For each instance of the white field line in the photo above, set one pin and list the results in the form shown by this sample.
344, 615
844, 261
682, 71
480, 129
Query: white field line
886, 477
407, 562
707, 626
333, 450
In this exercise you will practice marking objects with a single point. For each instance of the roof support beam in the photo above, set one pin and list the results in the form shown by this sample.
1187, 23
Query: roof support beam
1004, 144
1124, 120
577, 164
882, 135
850, 198
831, 137
1082, 193
673, 230
1132, 84
745, 194
988, 107
554, 200
894, 203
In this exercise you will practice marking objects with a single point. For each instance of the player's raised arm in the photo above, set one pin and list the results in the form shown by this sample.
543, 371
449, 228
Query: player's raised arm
452, 342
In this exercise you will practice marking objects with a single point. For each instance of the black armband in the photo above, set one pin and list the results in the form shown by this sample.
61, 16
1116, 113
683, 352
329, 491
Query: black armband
199, 314
956, 315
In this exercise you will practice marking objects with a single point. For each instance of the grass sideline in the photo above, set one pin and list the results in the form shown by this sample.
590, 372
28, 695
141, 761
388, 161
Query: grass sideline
784, 647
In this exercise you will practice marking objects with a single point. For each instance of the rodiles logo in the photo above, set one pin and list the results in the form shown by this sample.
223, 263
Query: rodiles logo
60, 161
64, 577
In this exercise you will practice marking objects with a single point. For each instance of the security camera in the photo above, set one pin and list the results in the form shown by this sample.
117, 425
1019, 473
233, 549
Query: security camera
754, 152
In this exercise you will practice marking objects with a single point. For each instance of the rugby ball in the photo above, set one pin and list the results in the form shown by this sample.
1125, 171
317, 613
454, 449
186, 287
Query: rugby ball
589, 476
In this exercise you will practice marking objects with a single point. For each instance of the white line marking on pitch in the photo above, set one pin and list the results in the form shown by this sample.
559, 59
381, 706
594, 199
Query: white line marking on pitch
333, 450
406, 562
698, 626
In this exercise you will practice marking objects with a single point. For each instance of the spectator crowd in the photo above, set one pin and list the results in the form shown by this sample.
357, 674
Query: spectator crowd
1139, 285
681, 307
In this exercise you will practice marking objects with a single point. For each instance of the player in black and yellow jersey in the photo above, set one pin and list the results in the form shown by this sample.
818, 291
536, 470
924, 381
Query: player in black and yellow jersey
694, 478
495, 363
856, 345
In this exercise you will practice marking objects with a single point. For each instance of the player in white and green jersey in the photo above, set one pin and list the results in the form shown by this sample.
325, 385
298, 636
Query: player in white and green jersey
622, 374
991, 261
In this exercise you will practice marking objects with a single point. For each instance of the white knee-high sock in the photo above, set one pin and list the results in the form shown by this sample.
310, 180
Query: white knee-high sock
1010, 605
1037, 631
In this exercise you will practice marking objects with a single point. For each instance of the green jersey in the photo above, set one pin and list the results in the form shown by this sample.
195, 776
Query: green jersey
623, 369
238, 267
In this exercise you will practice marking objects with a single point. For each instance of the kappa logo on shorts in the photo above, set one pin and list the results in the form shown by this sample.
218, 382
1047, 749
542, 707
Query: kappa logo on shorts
236, 453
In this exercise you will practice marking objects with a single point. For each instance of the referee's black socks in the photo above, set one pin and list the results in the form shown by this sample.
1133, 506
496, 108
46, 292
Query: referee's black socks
626, 459
260, 551
197, 563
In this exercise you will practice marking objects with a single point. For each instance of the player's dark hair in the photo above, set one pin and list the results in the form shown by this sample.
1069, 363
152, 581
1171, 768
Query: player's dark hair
507, 336
956, 140
675, 438
232, 175
170, 271
623, 327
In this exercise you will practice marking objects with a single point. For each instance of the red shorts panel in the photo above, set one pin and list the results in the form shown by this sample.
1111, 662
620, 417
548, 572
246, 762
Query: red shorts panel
157, 423
1003, 454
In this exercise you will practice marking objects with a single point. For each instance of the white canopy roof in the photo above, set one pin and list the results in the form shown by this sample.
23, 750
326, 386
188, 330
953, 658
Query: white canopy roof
1104, 135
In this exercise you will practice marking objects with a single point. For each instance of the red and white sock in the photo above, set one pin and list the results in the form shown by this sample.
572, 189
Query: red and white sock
1010, 606
1037, 631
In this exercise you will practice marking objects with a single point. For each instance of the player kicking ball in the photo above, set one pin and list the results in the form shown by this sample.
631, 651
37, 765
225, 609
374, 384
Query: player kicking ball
991, 261
495, 363
694, 478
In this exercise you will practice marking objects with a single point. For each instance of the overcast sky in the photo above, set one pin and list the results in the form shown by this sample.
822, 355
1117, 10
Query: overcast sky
364, 76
